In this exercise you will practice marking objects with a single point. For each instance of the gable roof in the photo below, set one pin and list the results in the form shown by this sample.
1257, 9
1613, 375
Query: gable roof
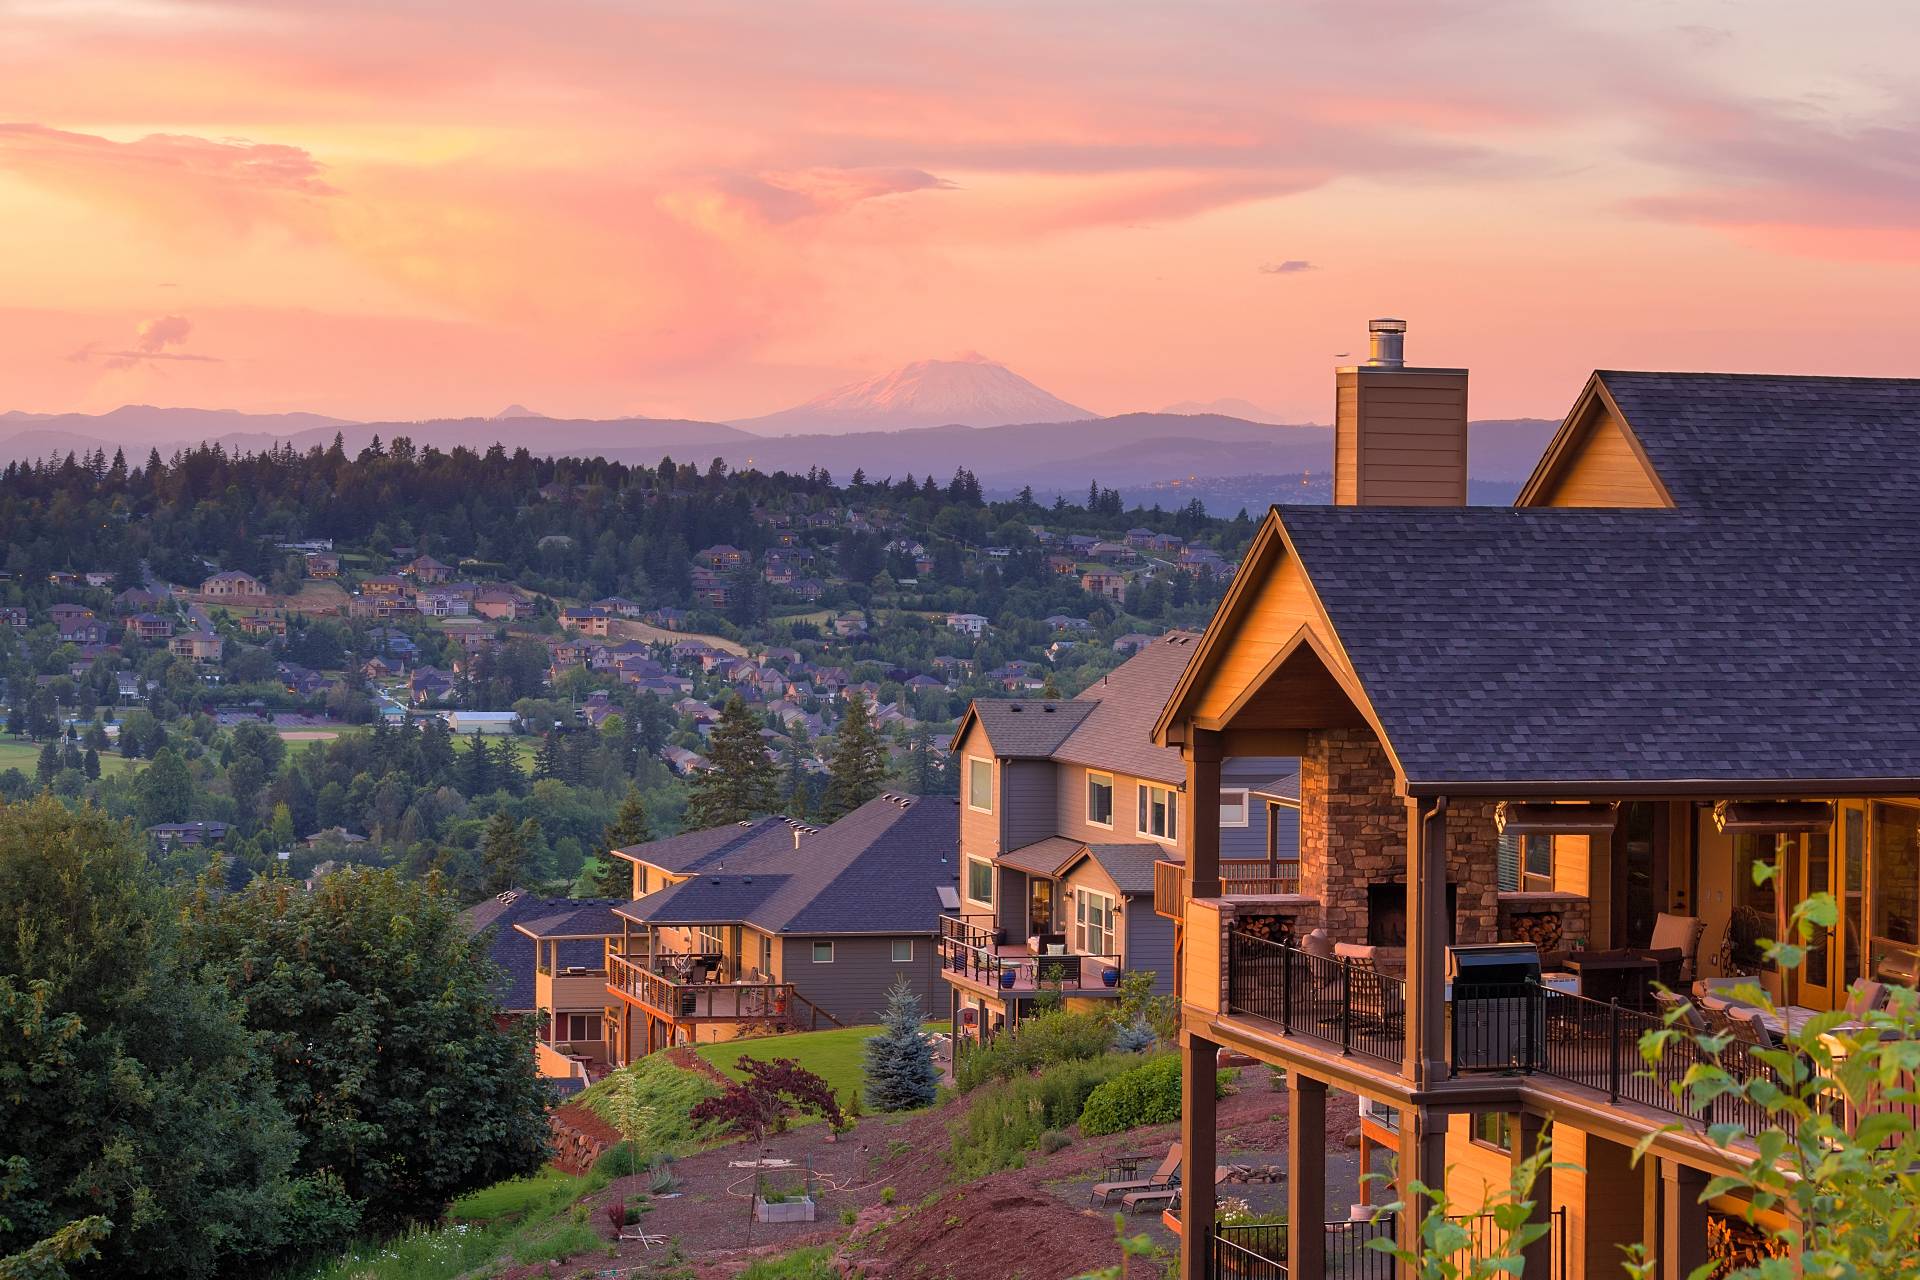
1583, 646
1117, 732
512, 951
878, 870
1041, 858
1024, 728
1129, 866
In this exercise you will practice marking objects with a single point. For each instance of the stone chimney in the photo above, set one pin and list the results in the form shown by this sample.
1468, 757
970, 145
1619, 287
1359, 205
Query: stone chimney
1400, 431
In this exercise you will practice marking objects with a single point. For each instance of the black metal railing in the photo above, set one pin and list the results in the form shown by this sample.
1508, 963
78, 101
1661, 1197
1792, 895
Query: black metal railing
1341, 1001
1259, 1251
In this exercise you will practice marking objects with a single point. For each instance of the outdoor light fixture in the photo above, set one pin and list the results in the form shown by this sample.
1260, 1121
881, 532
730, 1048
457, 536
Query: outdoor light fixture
1768, 817
1581, 818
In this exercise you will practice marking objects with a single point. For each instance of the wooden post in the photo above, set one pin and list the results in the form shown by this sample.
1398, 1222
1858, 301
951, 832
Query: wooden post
1202, 754
1529, 1130
1683, 1219
1423, 1159
1306, 1175
1427, 930
1199, 1150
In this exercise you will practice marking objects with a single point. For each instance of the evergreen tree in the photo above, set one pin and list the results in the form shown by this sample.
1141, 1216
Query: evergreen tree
503, 851
476, 768
48, 765
612, 877
546, 759
858, 768
91, 765
164, 792
900, 1070
739, 784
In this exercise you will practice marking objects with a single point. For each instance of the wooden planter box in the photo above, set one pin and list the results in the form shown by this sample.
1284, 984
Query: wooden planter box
799, 1210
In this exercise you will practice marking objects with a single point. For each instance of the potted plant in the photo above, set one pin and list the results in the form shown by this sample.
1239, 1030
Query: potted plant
1110, 976
1006, 979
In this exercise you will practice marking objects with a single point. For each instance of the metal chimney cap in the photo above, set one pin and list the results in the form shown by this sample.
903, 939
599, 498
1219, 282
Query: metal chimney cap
1386, 324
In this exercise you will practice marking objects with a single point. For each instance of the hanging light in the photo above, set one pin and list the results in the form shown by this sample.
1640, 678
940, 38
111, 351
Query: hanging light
1583, 817
1768, 817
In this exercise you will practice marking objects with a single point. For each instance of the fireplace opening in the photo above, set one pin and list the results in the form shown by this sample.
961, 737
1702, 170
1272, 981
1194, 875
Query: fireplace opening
1387, 914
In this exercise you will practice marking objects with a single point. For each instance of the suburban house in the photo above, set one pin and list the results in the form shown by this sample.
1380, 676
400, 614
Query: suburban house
972, 624
774, 924
1571, 726
497, 603
322, 564
425, 569
170, 835
1068, 813
233, 585
548, 953
588, 620
196, 646
1105, 583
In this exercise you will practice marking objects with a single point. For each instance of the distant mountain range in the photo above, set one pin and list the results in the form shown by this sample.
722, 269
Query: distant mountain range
972, 391
1230, 407
931, 417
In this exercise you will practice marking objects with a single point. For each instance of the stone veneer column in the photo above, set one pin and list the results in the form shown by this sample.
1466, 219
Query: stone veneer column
1353, 833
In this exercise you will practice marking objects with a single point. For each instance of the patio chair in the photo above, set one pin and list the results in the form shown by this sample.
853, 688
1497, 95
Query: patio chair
1749, 1028
1725, 990
1690, 1017
1865, 997
1167, 1175
1716, 1012
1675, 946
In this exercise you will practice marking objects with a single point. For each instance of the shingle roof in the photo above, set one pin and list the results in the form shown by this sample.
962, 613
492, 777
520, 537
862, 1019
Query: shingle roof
592, 920
712, 846
1117, 732
1042, 857
1553, 645
879, 869
512, 950
1737, 440
1028, 728
1284, 787
1130, 866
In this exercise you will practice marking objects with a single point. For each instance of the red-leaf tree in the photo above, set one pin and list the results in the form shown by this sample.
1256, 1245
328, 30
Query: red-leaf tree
770, 1096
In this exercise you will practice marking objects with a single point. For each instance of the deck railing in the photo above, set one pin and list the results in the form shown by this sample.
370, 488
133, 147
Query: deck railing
1258, 1251
972, 951
709, 1001
1239, 877
1348, 1004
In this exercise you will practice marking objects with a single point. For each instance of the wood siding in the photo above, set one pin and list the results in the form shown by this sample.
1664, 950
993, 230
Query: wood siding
1281, 604
1400, 437
979, 832
854, 987
1598, 467
1026, 799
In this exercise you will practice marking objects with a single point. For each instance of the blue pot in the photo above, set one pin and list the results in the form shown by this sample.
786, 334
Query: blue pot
1110, 976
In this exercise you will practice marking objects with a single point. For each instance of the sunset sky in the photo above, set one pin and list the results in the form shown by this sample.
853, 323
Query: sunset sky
389, 209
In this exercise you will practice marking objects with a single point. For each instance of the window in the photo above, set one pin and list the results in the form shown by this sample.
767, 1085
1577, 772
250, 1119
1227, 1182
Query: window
902, 950
581, 1026
1100, 799
1894, 843
1494, 1129
1159, 813
823, 953
1092, 923
1233, 807
980, 784
980, 881
1536, 860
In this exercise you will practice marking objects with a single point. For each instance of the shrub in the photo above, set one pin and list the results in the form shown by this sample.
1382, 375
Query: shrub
1133, 1037
671, 1094
899, 1061
1053, 1140
768, 1099
1039, 1041
1149, 1093
1007, 1118
886, 1195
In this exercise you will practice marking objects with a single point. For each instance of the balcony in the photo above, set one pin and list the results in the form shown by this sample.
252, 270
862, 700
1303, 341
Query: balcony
971, 953
1239, 877
1259, 1252
1560, 1039
686, 999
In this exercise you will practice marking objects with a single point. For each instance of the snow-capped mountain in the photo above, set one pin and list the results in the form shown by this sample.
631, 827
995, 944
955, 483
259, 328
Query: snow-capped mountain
972, 391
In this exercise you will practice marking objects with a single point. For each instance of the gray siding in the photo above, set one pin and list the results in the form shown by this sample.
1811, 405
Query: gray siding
1027, 797
1010, 904
1287, 830
1250, 841
854, 987
1149, 941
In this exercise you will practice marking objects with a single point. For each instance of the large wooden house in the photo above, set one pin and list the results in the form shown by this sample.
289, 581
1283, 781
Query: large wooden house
1577, 722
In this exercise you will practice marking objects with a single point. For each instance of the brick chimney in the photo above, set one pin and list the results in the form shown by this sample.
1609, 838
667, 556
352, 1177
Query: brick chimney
1400, 431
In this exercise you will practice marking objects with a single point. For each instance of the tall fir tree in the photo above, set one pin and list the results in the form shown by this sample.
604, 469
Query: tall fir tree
612, 877
900, 1070
740, 780
503, 851
858, 768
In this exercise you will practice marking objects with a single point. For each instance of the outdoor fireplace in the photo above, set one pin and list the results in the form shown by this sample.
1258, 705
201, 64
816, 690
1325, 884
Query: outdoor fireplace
1387, 914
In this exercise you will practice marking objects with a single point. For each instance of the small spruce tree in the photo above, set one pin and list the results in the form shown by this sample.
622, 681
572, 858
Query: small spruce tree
900, 1070
612, 877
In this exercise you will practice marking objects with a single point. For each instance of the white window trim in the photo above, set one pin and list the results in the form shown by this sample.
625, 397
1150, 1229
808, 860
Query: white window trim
1246, 806
967, 885
1113, 792
816, 952
1082, 898
894, 950
971, 762
1143, 804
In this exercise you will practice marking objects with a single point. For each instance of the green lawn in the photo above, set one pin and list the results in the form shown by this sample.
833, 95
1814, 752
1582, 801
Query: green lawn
837, 1056
17, 753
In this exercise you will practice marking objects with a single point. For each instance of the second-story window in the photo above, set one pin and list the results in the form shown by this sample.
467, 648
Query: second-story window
980, 784
1159, 813
1100, 799
1233, 807
980, 881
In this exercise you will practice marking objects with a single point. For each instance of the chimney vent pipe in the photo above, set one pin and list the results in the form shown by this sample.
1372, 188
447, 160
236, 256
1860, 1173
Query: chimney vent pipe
1386, 343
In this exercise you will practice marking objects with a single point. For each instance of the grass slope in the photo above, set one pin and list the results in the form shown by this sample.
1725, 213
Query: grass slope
837, 1056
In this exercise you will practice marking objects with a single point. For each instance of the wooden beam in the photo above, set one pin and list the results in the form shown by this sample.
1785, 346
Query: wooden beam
1203, 754
1199, 1150
1306, 1174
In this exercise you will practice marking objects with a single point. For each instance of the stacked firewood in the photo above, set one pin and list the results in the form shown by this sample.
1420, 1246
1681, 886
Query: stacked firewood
1542, 929
1272, 928
1255, 1172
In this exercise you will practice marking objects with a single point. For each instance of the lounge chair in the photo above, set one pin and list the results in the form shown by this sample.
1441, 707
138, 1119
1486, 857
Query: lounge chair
1865, 997
1750, 1028
1167, 1197
1167, 1175
1675, 947
1689, 1018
